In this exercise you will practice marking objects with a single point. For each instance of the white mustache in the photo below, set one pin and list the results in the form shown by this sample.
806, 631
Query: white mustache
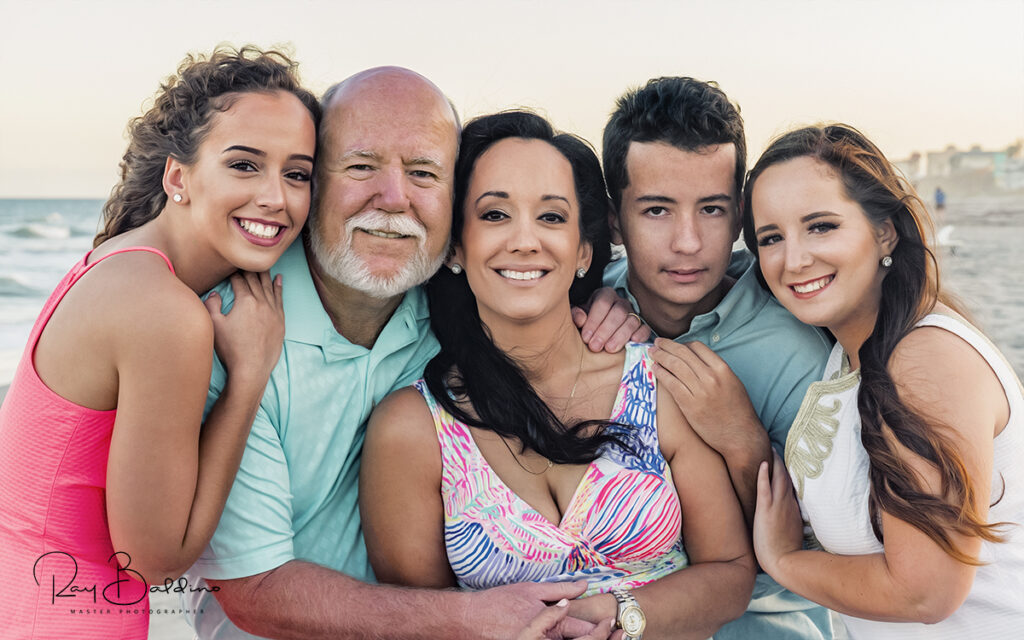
377, 220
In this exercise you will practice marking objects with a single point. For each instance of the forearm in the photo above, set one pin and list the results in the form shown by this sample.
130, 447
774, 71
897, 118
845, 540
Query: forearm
691, 603
742, 458
221, 445
304, 600
862, 586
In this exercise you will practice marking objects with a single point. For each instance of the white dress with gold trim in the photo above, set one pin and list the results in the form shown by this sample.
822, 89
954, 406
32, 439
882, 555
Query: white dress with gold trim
829, 467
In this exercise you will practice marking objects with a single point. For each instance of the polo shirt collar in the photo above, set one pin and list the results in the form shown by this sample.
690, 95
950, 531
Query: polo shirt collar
741, 302
307, 321
746, 297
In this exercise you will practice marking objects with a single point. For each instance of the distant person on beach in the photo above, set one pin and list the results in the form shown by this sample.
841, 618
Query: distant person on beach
940, 199
288, 556
674, 159
906, 457
107, 481
521, 455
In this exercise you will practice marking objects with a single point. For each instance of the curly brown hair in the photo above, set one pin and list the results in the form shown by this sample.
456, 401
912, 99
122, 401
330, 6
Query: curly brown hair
179, 120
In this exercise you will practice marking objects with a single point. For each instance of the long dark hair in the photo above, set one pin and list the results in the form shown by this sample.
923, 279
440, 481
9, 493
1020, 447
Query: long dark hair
470, 367
179, 120
910, 290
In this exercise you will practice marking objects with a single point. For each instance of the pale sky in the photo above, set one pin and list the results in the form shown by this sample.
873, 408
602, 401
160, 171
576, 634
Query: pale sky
913, 75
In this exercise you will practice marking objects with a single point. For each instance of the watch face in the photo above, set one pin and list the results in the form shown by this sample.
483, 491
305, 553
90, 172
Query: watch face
633, 621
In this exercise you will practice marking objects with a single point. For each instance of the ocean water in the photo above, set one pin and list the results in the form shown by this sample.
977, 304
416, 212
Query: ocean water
983, 263
39, 242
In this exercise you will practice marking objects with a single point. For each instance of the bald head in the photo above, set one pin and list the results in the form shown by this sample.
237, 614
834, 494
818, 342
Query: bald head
383, 86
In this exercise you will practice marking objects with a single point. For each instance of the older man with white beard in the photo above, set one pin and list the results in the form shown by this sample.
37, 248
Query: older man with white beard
287, 560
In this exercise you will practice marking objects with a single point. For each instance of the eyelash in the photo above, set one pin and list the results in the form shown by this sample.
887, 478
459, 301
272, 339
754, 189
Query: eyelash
247, 166
243, 165
816, 228
494, 215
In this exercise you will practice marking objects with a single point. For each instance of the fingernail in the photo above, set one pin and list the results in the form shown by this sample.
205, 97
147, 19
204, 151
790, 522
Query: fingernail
562, 603
587, 335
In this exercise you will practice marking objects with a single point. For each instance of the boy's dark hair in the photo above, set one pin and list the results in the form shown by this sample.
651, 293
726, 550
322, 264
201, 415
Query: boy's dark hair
686, 113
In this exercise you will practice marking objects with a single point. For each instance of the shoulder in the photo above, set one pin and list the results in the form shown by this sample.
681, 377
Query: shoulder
943, 376
783, 325
402, 414
401, 430
138, 296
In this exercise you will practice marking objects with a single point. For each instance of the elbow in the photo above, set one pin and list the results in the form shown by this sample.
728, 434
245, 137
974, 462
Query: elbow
930, 605
244, 603
153, 569
936, 609
745, 574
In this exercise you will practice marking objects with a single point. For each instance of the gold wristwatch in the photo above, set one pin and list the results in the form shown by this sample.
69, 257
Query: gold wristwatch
630, 617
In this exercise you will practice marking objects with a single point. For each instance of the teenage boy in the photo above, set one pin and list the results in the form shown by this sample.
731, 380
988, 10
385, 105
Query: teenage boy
674, 159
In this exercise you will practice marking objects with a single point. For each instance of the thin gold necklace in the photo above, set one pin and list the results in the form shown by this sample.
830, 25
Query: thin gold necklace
572, 394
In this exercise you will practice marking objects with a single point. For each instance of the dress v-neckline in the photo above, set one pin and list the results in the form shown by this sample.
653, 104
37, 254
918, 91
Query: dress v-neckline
498, 481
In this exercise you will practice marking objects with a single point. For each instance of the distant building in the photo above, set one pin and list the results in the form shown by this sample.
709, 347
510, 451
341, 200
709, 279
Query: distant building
940, 162
972, 171
912, 167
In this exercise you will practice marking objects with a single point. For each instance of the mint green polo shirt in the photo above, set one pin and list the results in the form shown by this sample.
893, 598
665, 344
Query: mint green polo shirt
295, 495
776, 357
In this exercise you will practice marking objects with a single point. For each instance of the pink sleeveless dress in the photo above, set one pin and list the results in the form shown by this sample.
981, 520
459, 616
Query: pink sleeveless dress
59, 575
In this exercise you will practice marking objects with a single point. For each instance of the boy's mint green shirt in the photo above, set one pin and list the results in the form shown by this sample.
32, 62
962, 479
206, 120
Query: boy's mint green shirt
295, 495
776, 357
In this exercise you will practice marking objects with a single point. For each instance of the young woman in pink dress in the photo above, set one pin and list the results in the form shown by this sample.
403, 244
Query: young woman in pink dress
108, 479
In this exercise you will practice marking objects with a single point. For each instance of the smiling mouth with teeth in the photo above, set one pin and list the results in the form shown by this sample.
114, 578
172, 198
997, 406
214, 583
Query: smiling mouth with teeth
814, 285
265, 231
520, 275
384, 234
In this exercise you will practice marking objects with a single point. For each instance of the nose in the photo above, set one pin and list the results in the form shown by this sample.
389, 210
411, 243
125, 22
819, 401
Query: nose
392, 196
522, 236
796, 255
271, 194
686, 238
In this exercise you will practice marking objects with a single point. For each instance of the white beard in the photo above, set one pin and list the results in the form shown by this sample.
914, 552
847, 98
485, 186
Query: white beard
343, 264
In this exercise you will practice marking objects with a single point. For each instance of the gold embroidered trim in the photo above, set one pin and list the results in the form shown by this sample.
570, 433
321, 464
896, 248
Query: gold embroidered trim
816, 426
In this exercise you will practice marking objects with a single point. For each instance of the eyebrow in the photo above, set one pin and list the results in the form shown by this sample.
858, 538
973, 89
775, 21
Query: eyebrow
425, 160
496, 194
548, 197
370, 155
718, 197
263, 154
805, 219
504, 196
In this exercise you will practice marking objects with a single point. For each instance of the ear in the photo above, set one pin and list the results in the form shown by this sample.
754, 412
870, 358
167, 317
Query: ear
456, 257
174, 179
585, 255
613, 224
887, 237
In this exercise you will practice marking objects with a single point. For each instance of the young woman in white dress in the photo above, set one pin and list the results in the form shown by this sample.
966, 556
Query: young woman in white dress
906, 458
